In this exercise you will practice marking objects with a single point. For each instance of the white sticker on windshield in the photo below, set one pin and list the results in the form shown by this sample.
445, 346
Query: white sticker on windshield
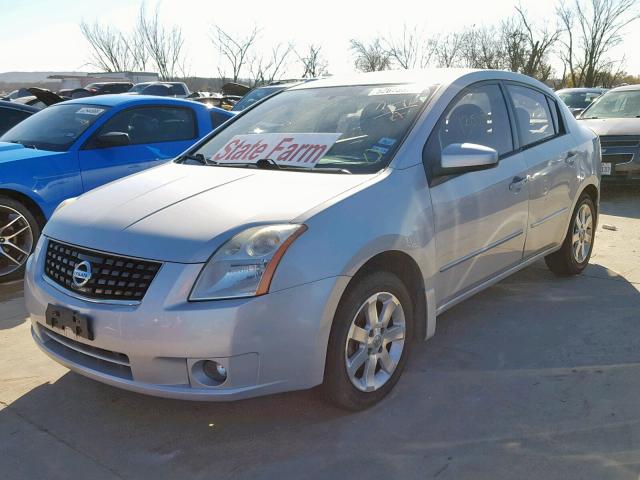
91, 110
396, 90
290, 149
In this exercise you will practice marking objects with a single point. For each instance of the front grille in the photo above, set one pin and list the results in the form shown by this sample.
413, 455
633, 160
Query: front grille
99, 359
617, 158
112, 277
612, 142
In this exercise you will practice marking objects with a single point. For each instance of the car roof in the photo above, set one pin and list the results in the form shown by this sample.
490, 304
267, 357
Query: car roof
626, 88
118, 100
429, 76
18, 106
582, 90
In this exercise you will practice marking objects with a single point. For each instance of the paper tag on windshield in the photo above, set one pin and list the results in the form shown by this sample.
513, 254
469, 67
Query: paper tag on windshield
91, 110
396, 90
286, 149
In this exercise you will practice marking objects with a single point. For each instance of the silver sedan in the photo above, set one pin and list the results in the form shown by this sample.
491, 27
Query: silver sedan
314, 236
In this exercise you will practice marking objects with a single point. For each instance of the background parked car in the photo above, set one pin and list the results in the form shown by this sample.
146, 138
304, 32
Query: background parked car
39, 98
577, 99
12, 113
72, 147
106, 88
163, 89
615, 117
259, 93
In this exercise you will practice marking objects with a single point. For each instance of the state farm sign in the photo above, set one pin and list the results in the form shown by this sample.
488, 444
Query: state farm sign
291, 149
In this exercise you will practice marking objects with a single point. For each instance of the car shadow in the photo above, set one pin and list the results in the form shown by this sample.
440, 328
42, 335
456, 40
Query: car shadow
536, 367
620, 201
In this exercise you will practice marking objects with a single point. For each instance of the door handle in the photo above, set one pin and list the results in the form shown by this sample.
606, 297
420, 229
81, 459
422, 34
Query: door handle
570, 159
517, 183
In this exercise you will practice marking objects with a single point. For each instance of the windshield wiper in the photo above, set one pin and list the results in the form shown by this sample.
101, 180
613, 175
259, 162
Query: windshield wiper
198, 157
25, 145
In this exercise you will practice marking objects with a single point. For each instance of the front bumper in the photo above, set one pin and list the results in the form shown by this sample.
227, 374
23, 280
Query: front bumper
268, 344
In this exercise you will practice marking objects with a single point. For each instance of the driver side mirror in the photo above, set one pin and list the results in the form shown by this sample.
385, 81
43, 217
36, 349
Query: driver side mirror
463, 157
113, 139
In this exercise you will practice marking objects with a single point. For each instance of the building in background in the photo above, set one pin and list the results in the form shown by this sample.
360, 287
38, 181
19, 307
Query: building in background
81, 79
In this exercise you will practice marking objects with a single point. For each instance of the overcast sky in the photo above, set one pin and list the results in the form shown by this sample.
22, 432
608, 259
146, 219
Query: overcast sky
44, 35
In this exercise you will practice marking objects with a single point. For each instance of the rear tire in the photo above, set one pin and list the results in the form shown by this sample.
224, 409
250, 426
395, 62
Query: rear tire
369, 341
19, 233
573, 257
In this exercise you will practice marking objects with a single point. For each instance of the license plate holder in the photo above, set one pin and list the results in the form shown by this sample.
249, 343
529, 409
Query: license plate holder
59, 318
606, 168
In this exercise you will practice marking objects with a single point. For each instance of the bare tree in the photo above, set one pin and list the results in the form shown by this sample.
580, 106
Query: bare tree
313, 62
164, 44
480, 47
266, 69
410, 50
235, 50
370, 57
592, 29
109, 49
447, 50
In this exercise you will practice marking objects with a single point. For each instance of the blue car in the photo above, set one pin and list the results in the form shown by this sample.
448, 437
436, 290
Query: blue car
75, 146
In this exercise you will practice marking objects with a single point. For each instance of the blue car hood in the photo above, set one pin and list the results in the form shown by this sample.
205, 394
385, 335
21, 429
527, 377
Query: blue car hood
11, 152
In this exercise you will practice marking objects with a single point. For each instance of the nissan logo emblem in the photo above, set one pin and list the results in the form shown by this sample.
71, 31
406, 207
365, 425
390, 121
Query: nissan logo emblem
82, 274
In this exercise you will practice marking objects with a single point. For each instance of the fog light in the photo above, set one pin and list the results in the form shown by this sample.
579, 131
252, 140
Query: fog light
214, 371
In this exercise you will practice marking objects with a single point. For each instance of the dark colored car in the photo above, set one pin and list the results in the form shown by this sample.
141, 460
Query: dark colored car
259, 93
12, 113
161, 89
615, 117
577, 99
106, 88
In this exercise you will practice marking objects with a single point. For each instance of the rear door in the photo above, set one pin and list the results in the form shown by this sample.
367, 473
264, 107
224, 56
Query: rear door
480, 216
156, 133
551, 166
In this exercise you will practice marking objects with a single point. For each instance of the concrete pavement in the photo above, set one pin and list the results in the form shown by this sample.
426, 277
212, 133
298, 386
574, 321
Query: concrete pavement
537, 377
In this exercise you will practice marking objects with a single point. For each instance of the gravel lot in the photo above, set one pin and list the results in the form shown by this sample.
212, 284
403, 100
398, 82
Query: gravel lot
537, 377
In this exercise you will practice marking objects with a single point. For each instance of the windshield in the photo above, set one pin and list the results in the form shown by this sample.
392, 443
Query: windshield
578, 99
355, 129
253, 96
621, 104
139, 87
54, 128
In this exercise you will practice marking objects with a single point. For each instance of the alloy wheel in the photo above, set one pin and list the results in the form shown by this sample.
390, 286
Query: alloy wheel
16, 240
375, 341
582, 235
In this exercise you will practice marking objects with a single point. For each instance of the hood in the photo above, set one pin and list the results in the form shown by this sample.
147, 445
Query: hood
183, 213
613, 126
11, 152
45, 96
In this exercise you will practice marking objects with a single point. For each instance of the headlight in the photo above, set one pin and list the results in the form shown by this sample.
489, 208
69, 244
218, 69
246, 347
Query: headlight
244, 266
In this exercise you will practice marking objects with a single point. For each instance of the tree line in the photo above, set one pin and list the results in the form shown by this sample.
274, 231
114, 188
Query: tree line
580, 37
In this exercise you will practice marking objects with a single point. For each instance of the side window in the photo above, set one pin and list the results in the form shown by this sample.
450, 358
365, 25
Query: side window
533, 116
479, 116
153, 124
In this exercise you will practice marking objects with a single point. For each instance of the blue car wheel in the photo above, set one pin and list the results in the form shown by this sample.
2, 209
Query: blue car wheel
19, 232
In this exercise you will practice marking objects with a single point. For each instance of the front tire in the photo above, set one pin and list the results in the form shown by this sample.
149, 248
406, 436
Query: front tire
19, 233
369, 341
577, 247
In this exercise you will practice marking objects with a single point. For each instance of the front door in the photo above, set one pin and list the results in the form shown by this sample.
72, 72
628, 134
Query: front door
480, 216
156, 134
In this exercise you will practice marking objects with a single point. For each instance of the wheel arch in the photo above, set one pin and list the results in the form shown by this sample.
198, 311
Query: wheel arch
405, 267
28, 202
